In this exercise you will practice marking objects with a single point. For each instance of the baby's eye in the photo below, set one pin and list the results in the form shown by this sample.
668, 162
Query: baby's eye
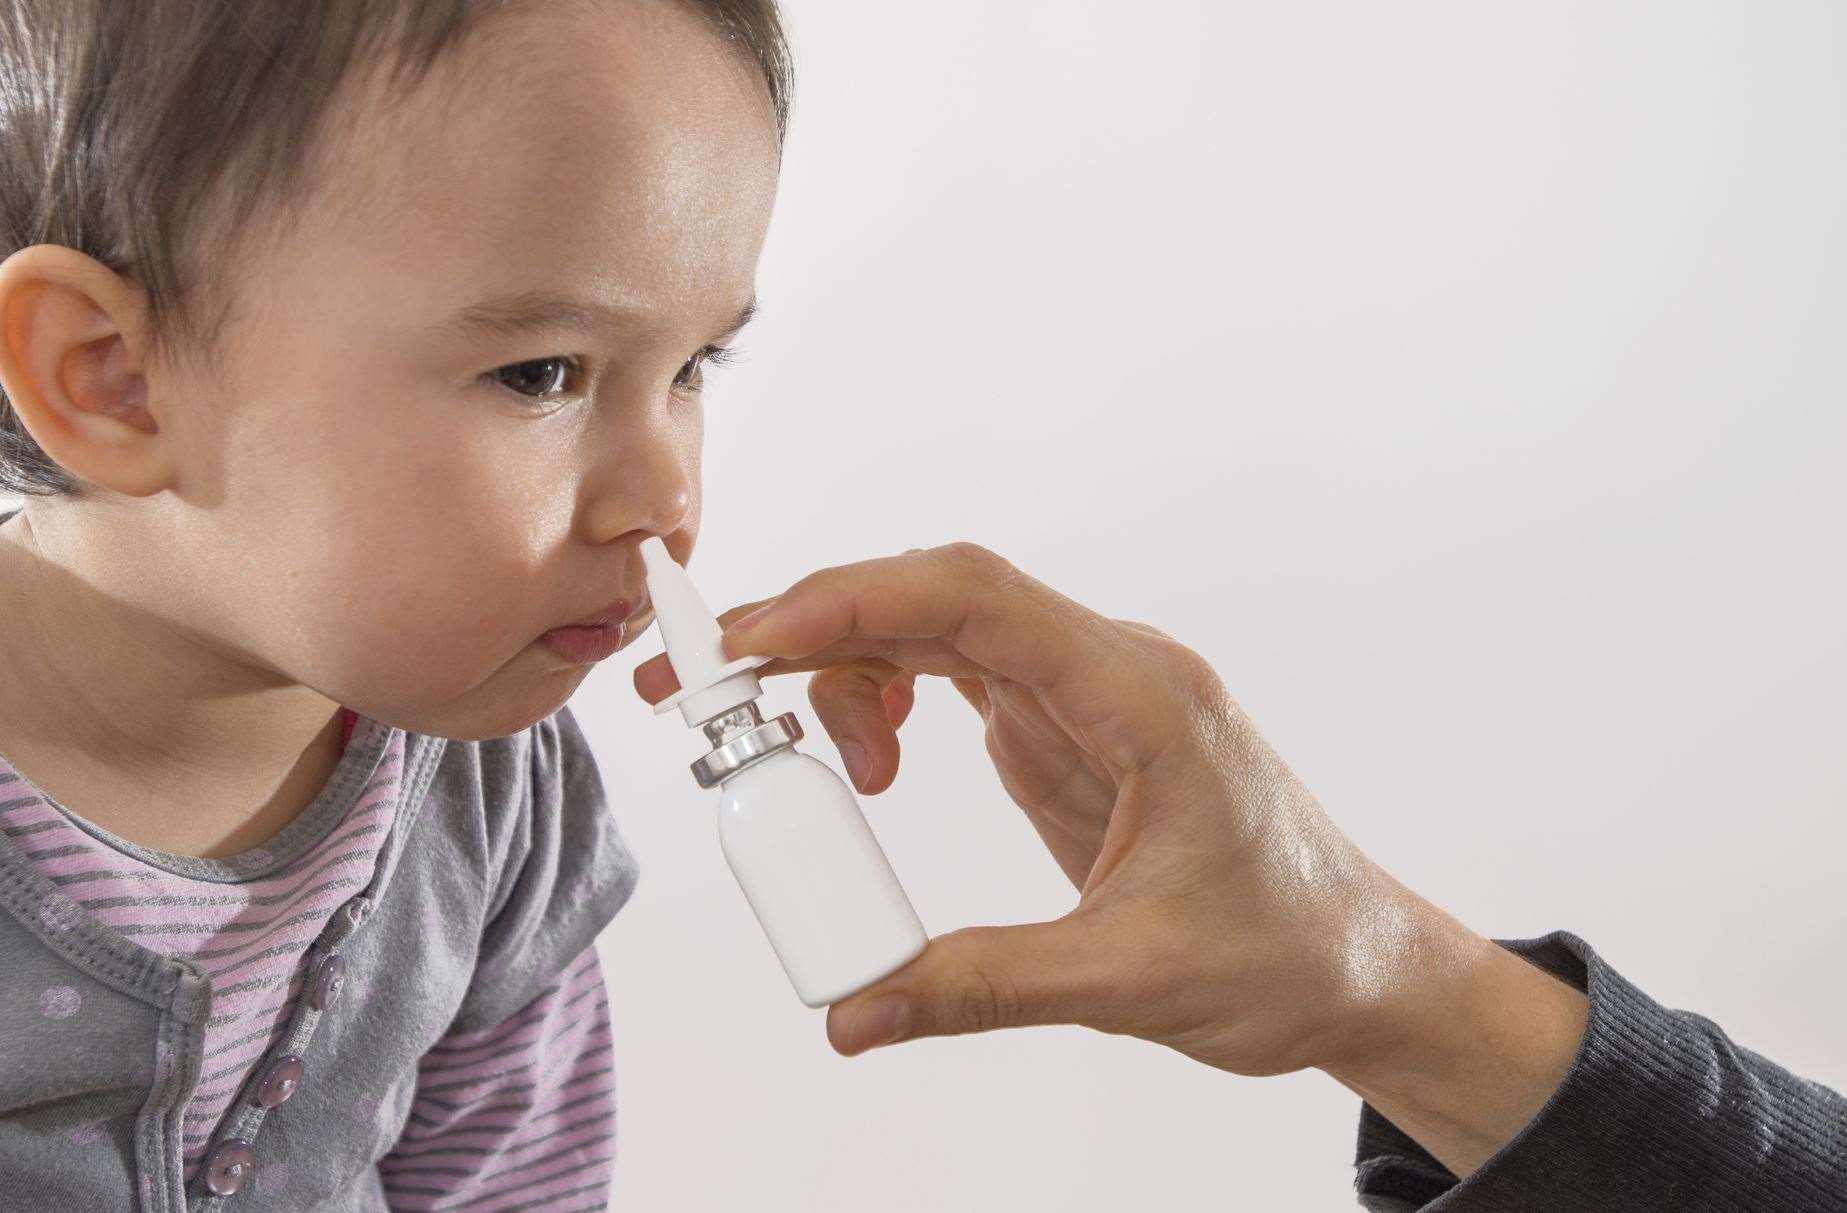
692, 374
536, 378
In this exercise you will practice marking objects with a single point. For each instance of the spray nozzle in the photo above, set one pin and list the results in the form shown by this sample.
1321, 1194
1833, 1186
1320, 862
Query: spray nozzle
709, 685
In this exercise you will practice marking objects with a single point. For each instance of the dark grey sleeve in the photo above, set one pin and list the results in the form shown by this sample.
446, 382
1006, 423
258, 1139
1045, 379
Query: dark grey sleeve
1659, 1110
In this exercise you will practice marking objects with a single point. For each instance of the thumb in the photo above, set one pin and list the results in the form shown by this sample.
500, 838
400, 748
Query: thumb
975, 980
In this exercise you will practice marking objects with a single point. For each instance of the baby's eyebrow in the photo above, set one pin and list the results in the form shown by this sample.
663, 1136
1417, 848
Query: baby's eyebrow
534, 311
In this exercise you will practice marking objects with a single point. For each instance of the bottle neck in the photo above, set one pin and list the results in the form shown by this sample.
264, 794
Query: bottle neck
740, 738
739, 720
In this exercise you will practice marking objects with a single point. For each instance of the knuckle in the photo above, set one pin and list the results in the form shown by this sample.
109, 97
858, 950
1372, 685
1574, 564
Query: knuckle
971, 557
1199, 691
820, 693
1198, 672
822, 581
1147, 629
1183, 665
738, 612
984, 1002
1215, 717
836, 683
993, 573
1202, 682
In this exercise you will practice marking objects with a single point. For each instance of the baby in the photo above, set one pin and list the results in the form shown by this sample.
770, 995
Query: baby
349, 348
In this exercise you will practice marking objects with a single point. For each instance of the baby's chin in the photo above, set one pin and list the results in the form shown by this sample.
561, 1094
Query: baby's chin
512, 698
523, 690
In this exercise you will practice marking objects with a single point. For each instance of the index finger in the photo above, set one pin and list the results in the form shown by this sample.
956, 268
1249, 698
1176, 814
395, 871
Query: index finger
654, 678
968, 600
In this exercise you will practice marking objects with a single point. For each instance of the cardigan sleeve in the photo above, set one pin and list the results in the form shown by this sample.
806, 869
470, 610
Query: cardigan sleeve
521, 1114
1660, 1110
566, 873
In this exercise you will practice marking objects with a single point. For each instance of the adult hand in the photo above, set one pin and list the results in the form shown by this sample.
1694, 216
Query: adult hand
1220, 911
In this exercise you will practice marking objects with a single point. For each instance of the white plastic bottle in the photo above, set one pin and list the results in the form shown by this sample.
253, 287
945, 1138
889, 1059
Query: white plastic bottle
790, 828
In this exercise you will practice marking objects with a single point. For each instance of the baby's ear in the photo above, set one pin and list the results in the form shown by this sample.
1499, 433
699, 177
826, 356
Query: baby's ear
72, 342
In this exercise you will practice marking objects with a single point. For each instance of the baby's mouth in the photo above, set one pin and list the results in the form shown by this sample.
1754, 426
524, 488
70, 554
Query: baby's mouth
636, 624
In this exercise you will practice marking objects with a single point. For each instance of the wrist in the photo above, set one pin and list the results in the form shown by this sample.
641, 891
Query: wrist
1462, 1042
1409, 963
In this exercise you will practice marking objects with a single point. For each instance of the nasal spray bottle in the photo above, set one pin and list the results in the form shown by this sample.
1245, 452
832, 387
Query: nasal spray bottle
790, 828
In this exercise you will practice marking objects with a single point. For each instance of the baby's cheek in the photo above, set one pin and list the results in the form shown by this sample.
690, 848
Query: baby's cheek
410, 557
405, 614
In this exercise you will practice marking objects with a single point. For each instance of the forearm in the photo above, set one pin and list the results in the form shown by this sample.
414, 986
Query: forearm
1467, 1045
1486, 1089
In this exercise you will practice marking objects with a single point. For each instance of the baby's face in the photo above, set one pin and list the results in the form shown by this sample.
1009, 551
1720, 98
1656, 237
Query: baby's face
391, 502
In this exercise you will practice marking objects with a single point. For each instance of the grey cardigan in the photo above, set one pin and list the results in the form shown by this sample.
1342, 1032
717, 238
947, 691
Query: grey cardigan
503, 862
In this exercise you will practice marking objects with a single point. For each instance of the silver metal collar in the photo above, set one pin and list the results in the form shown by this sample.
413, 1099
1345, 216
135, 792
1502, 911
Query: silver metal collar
740, 745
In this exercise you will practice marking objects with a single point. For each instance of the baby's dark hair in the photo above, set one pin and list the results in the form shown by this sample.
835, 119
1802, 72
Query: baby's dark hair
121, 119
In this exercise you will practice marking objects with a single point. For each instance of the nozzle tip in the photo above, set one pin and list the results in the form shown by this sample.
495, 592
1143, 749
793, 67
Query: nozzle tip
654, 554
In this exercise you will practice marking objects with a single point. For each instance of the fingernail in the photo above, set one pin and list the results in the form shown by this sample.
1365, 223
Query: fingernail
879, 1022
854, 755
746, 622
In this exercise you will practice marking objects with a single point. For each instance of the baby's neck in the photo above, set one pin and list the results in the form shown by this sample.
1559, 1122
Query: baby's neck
171, 815
141, 729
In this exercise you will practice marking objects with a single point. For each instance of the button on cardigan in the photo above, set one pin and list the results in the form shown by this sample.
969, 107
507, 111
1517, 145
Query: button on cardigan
161, 1046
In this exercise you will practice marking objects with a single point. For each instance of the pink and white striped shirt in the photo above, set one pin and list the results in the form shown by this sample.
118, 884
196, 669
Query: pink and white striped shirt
504, 1117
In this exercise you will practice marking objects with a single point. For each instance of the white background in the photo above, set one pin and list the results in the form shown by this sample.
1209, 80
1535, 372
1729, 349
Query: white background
1465, 381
